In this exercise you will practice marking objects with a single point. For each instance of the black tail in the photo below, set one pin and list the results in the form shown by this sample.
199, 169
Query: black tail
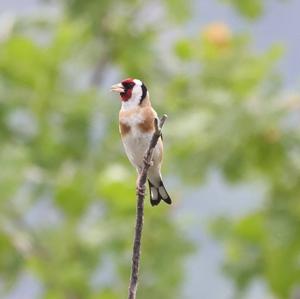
158, 193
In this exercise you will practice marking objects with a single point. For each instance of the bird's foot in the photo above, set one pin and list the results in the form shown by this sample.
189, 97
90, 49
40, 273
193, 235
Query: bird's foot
141, 190
149, 164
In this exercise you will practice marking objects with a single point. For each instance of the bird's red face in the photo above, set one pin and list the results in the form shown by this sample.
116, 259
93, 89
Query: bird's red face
124, 88
128, 85
132, 92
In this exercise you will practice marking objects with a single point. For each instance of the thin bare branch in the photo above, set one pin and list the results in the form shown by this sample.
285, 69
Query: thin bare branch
140, 208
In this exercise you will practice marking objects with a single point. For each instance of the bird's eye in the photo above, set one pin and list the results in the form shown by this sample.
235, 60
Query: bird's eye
128, 85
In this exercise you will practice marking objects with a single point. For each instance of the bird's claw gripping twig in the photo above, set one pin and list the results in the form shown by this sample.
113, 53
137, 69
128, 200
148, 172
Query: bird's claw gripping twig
149, 164
140, 190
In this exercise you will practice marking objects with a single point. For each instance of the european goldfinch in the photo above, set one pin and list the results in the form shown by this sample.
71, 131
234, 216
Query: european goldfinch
136, 125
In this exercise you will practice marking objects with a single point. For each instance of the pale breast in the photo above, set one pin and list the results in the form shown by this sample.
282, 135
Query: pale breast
136, 128
135, 145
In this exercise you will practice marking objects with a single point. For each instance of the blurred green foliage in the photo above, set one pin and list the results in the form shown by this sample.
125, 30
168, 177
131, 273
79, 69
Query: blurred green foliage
60, 149
250, 9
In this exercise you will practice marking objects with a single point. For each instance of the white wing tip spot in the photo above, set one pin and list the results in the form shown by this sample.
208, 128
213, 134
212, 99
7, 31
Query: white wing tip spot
154, 193
163, 192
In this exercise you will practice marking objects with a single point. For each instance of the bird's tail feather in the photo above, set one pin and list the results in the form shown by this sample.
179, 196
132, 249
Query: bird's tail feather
158, 193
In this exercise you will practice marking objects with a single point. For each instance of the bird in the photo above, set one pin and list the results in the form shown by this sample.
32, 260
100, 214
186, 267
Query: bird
136, 126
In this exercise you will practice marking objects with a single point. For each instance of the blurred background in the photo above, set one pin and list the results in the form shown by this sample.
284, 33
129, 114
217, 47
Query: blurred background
226, 73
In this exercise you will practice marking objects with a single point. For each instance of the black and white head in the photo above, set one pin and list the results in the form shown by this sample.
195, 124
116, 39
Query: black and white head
132, 92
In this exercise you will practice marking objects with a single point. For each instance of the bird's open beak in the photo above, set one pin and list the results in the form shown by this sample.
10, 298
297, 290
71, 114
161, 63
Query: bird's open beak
117, 88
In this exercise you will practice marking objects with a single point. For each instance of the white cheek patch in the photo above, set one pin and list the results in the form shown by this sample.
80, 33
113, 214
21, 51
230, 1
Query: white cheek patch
137, 90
